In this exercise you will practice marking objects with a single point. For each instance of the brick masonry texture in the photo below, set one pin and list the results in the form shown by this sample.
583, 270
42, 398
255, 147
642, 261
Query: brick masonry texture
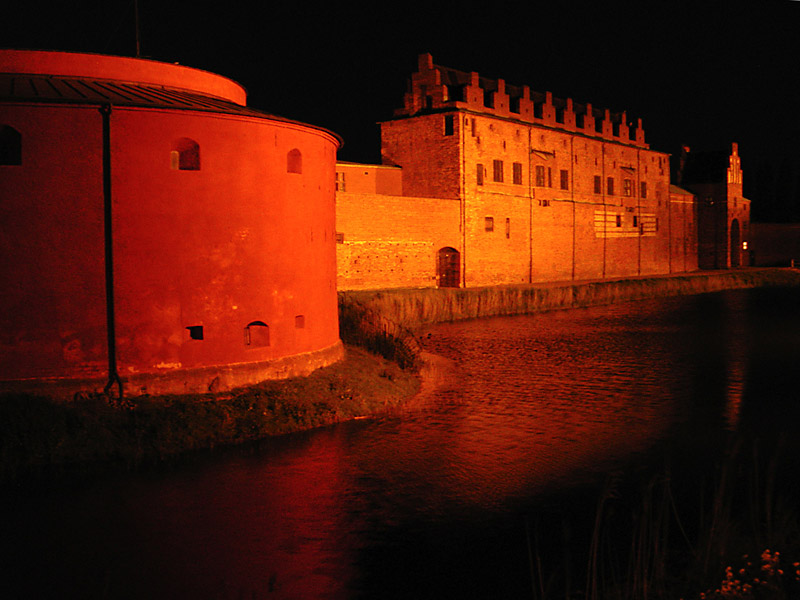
526, 188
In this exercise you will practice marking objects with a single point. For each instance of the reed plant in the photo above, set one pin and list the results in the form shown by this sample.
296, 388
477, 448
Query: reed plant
734, 536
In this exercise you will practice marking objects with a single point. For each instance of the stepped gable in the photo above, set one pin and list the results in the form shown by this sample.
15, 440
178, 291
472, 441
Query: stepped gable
436, 88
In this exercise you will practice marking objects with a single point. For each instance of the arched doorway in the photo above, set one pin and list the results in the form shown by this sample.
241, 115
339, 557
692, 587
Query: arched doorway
448, 267
736, 245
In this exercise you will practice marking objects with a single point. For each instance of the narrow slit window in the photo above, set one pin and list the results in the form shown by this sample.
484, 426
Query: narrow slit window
448, 125
479, 174
508, 227
10, 146
488, 224
256, 334
294, 161
300, 322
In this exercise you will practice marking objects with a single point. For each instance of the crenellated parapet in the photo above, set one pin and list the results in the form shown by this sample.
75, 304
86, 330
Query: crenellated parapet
436, 88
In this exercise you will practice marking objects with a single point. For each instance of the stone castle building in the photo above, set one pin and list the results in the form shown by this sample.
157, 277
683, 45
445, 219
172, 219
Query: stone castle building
158, 235
723, 213
487, 183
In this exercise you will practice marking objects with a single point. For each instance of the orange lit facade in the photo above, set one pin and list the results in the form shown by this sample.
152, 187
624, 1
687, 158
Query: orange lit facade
158, 236
485, 183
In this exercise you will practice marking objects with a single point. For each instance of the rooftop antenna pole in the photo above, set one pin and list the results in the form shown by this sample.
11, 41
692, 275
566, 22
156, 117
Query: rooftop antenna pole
136, 15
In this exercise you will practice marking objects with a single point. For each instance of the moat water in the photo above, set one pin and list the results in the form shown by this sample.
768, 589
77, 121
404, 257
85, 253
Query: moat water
499, 470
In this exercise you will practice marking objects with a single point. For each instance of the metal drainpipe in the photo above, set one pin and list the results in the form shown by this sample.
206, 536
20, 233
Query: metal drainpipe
640, 231
572, 199
603, 190
113, 375
463, 199
531, 192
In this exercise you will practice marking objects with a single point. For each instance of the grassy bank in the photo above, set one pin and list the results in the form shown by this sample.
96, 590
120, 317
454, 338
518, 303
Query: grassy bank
379, 374
37, 434
411, 308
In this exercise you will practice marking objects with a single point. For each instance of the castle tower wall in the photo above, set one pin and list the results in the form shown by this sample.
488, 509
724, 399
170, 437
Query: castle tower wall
221, 247
424, 148
723, 214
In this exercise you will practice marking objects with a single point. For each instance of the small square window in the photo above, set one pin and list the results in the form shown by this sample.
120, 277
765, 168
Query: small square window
195, 332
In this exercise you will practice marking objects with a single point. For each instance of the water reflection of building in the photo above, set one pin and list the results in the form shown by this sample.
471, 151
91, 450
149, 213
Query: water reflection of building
157, 233
487, 183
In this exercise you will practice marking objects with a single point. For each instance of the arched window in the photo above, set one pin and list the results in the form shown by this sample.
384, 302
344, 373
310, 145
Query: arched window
256, 334
10, 146
294, 161
185, 155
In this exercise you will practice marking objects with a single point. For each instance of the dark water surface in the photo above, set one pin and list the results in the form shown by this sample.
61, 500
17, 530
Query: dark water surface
504, 461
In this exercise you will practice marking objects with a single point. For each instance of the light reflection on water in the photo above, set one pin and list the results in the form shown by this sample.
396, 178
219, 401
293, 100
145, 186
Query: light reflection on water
417, 504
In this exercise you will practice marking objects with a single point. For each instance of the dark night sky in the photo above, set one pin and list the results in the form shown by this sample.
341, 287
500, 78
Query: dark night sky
701, 73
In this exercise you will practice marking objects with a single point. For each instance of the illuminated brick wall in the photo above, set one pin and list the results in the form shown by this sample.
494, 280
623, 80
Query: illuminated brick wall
386, 241
545, 189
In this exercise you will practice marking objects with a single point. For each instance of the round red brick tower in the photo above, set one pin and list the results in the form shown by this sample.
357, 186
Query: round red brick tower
157, 235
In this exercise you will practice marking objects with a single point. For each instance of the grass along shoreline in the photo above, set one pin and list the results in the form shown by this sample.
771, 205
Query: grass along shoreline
380, 373
38, 435
739, 537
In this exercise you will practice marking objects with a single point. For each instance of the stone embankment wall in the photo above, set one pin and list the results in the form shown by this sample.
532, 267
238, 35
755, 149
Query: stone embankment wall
412, 308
